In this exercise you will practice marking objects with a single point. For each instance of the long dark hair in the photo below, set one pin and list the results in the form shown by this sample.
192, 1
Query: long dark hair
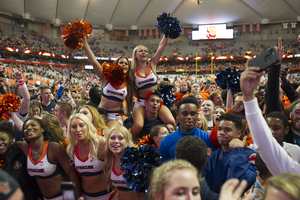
47, 134
129, 82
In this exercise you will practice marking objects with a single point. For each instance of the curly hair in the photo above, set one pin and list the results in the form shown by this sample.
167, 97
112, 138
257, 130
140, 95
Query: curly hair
47, 134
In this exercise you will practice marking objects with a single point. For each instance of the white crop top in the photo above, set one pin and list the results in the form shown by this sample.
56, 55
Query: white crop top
42, 168
118, 180
89, 166
145, 82
115, 94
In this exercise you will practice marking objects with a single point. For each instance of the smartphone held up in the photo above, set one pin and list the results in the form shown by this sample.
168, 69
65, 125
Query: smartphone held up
265, 60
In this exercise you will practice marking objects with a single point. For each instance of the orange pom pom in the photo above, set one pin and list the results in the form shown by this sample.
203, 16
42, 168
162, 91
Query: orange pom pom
144, 141
8, 102
114, 73
74, 33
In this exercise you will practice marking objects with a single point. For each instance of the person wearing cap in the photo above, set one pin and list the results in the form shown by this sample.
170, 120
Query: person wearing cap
153, 103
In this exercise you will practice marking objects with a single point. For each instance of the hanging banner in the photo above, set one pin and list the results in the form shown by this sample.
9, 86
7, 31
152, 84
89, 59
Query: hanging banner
150, 32
244, 28
190, 32
250, 28
145, 32
127, 33
182, 33
257, 27
97, 34
47, 27
61, 29
156, 32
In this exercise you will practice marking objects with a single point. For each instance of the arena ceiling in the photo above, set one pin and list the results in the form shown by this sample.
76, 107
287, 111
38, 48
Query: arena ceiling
123, 14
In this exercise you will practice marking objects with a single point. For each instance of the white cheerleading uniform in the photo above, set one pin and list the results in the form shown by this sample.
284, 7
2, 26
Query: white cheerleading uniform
118, 180
88, 167
42, 168
115, 94
147, 81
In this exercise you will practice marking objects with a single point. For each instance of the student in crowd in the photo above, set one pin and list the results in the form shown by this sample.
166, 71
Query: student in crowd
151, 116
63, 112
208, 109
46, 102
194, 150
232, 160
157, 133
85, 149
274, 156
174, 180
201, 122
216, 98
187, 114
218, 112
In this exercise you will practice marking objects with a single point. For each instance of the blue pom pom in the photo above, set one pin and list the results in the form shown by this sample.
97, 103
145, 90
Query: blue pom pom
169, 25
137, 163
229, 78
167, 95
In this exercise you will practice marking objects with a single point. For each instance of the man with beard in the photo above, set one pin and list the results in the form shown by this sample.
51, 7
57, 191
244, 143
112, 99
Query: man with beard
187, 113
184, 89
153, 104
294, 134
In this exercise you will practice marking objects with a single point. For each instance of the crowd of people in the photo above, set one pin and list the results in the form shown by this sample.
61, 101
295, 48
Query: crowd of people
214, 143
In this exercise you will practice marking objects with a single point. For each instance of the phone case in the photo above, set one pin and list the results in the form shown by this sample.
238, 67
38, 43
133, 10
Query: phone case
265, 60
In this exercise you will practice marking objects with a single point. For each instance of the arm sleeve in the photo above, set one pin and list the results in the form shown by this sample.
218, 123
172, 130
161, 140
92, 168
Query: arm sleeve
272, 93
59, 92
33, 97
290, 92
163, 151
274, 156
241, 165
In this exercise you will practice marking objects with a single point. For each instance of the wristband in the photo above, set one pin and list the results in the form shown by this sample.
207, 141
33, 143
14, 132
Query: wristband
21, 82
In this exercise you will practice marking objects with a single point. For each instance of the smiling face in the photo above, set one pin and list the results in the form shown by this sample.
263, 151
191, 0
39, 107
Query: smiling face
183, 185
5, 143
117, 142
207, 108
79, 129
217, 114
123, 62
295, 117
187, 117
32, 129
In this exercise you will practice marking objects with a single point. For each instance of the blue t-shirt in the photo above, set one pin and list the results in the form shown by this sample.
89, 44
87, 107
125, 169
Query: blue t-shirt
168, 143
297, 139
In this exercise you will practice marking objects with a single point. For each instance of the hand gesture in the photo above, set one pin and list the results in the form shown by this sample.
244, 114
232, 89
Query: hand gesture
89, 84
249, 80
236, 142
237, 107
18, 75
232, 190
56, 78
280, 50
